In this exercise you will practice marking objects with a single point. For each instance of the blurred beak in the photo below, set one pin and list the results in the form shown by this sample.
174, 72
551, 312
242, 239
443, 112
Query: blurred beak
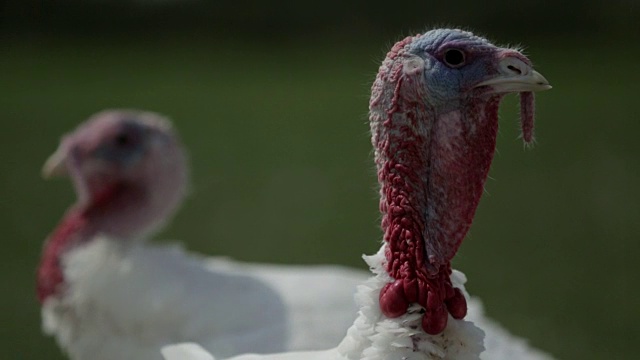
56, 164
514, 75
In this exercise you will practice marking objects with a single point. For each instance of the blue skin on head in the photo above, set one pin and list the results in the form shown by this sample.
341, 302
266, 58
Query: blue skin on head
446, 84
126, 146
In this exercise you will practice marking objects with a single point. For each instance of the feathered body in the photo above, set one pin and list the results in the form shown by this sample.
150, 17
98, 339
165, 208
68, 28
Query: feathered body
373, 336
434, 120
107, 294
126, 302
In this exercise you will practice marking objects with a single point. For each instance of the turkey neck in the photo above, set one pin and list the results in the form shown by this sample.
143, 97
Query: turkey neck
80, 224
431, 169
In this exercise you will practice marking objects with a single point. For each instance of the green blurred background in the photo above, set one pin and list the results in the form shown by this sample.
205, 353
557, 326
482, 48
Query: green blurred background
271, 99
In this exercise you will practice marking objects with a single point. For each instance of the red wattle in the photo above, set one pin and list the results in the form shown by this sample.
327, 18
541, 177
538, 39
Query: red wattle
50, 275
73, 229
393, 302
457, 305
435, 320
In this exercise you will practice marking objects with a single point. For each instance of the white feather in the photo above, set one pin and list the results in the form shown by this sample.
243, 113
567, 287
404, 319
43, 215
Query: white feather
376, 337
127, 302
186, 351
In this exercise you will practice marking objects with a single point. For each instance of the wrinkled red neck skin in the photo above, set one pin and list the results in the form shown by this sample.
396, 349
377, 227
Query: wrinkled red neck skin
432, 169
75, 228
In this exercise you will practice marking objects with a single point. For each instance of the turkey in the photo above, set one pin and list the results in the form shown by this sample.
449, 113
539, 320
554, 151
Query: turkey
107, 294
434, 120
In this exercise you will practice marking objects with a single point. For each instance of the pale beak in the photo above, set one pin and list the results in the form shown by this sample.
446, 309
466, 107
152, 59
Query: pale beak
514, 75
56, 164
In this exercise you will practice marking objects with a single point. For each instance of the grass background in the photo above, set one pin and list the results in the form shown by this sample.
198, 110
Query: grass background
282, 172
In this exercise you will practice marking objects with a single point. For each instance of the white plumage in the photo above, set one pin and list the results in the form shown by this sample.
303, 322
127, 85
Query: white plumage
128, 302
191, 351
125, 303
375, 337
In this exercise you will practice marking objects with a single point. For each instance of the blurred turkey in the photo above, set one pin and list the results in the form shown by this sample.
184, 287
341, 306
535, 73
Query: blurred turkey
107, 294
434, 120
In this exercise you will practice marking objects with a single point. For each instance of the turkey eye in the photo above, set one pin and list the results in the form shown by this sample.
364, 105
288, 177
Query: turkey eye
122, 140
454, 58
